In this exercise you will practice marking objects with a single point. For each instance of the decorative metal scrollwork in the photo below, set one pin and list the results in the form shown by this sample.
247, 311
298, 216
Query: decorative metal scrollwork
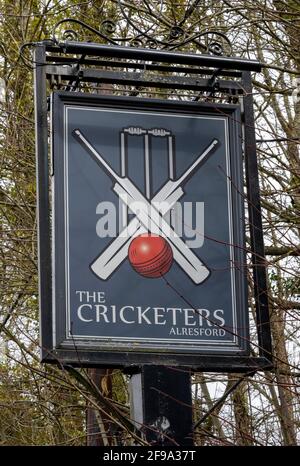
149, 32
70, 34
108, 27
216, 43
176, 32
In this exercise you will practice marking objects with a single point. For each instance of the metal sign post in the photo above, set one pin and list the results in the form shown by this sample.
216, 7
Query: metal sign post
161, 405
144, 266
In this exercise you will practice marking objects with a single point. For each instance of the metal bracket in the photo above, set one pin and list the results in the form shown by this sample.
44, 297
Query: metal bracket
77, 68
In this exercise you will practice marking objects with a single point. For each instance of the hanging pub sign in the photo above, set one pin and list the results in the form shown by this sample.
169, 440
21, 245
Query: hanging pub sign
148, 228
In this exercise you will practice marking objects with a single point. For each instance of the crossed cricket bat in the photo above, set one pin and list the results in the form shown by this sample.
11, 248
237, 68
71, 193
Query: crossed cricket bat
149, 216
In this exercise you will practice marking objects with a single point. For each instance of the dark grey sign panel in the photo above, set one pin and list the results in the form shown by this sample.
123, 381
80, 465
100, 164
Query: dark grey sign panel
148, 227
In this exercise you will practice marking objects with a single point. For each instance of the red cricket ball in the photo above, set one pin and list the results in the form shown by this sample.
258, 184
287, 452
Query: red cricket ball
150, 255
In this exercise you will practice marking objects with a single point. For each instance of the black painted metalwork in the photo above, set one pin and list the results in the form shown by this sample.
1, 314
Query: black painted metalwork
76, 74
140, 79
168, 37
135, 53
156, 57
66, 60
255, 224
43, 207
161, 405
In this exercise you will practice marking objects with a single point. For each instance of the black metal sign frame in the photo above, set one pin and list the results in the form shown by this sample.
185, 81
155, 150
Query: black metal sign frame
92, 357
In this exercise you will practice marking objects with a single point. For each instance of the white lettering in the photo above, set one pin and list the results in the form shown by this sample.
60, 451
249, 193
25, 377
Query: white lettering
188, 315
196, 233
122, 310
94, 296
217, 317
177, 218
204, 314
106, 226
80, 295
208, 332
79, 312
158, 316
141, 315
113, 314
101, 310
174, 312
